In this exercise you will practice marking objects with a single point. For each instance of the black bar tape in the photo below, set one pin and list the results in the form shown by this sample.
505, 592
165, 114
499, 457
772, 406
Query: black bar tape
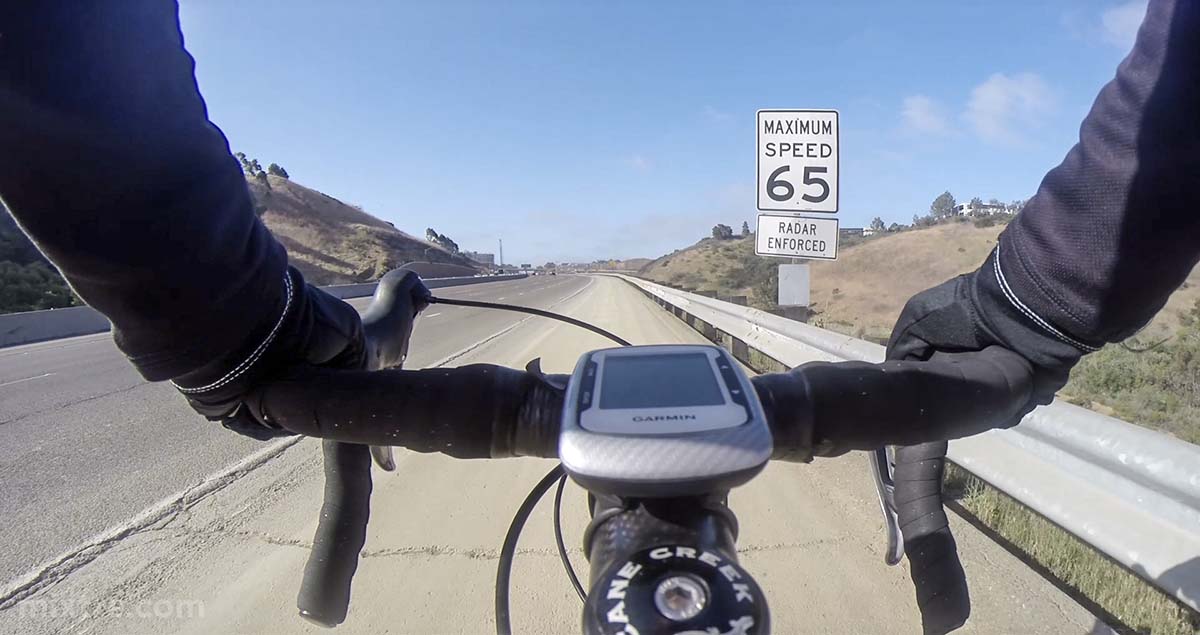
937, 574
787, 401
862, 406
341, 532
467, 412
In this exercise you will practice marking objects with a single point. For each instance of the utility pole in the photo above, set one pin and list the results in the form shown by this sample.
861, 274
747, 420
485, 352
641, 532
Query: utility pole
501, 240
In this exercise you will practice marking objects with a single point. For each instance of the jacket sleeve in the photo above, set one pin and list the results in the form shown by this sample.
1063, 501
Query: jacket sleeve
109, 163
1115, 228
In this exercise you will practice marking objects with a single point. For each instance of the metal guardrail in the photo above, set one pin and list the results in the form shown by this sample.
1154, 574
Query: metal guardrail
1131, 493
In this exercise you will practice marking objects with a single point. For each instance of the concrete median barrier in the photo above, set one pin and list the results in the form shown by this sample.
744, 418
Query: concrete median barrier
52, 324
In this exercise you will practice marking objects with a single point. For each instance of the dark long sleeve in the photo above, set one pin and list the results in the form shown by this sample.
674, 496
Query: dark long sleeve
1115, 228
109, 162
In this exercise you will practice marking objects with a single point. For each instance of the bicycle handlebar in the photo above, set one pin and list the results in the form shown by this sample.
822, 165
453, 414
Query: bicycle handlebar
486, 411
937, 573
324, 597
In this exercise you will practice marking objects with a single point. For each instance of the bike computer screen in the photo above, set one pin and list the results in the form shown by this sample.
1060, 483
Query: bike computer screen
659, 381
661, 420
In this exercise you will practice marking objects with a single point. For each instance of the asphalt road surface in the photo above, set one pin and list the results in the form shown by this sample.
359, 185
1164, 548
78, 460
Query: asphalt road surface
226, 556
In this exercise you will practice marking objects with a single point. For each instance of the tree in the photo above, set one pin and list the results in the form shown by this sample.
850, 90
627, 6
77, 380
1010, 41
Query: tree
995, 202
32, 287
722, 232
277, 170
877, 224
431, 235
254, 167
942, 206
550, 265
241, 157
446, 243
745, 229
895, 227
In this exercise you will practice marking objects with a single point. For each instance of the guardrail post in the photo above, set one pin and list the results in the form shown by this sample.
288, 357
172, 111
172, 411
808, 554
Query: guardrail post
740, 350
797, 313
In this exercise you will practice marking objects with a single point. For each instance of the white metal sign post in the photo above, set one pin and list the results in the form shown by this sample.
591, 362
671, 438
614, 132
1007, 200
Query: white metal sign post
797, 160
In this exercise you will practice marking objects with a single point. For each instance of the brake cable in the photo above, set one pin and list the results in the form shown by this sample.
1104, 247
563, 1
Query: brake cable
508, 551
562, 548
504, 568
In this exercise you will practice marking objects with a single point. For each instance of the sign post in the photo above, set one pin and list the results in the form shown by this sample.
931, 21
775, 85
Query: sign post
798, 184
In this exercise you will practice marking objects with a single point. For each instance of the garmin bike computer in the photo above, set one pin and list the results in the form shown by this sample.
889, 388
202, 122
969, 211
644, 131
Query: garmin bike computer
665, 420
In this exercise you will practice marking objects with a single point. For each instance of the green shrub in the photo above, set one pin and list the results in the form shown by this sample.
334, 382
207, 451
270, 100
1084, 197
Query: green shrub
32, 287
1152, 384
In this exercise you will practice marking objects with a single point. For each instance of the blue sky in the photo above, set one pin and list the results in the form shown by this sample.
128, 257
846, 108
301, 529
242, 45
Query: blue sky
585, 130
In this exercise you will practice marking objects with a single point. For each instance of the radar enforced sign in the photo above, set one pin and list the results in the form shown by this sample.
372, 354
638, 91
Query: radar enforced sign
798, 161
796, 236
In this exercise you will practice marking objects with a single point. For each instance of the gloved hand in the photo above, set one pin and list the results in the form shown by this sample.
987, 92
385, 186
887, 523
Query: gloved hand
972, 312
315, 329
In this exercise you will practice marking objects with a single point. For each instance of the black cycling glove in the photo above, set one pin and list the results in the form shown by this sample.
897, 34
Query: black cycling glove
313, 329
972, 312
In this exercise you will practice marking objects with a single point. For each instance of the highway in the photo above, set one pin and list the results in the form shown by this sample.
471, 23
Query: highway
87, 448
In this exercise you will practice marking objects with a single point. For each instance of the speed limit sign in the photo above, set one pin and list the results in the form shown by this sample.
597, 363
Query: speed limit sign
798, 160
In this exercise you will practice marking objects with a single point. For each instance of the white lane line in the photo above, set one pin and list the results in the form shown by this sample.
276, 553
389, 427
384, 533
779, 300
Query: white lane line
17, 381
431, 315
499, 298
504, 331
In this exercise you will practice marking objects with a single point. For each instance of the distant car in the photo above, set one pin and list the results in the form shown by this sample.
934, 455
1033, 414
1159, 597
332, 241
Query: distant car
553, 274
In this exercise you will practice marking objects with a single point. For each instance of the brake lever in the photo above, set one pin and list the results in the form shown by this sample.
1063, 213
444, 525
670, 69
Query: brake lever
383, 455
883, 470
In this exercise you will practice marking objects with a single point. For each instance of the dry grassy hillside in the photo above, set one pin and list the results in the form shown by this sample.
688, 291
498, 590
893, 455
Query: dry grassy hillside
705, 265
632, 264
332, 242
862, 292
865, 289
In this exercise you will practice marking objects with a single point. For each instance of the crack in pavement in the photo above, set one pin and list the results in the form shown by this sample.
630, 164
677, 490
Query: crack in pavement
472, 553
261, 536
76, 402
54, 571
800, 544
478, 553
